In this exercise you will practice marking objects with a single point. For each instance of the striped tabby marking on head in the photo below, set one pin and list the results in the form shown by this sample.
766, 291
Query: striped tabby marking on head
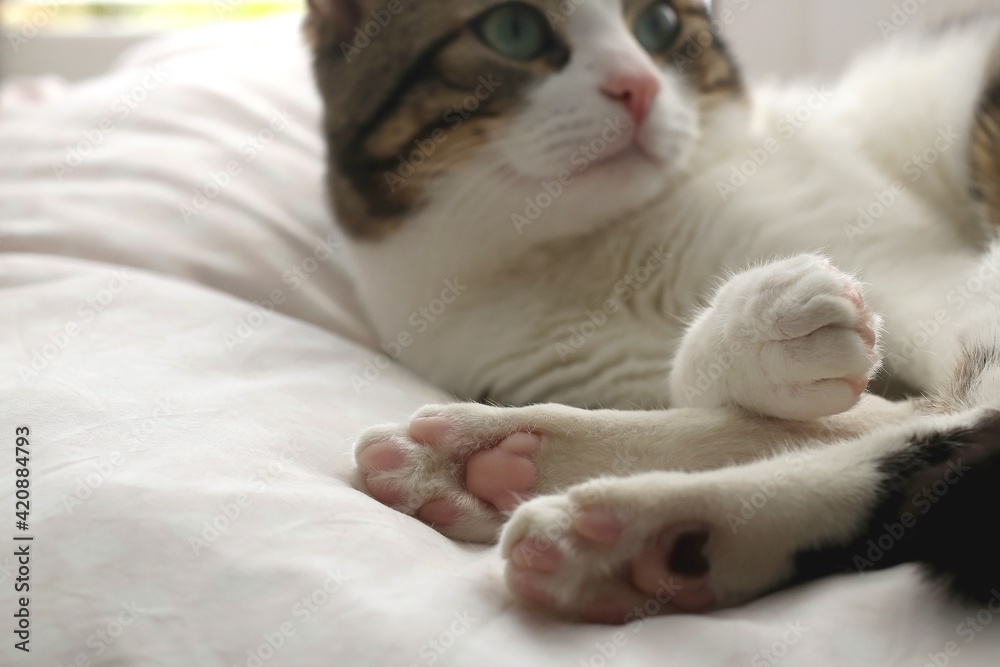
420, 94
417, 100
701, 55
986, 153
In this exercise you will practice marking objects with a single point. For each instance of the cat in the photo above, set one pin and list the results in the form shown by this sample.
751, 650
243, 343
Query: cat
578, 207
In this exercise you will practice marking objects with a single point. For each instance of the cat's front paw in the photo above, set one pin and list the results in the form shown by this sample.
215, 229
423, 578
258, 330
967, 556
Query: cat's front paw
460, 468
793, 339
617, 550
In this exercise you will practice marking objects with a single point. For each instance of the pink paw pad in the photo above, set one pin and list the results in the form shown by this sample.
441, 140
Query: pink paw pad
600, 526
505, 475
868, 334
502, 474
865, 330
382, 457
430, 431
672, 568
524, 583
536, 556
385, 492
440, 512
606, 612
675, 565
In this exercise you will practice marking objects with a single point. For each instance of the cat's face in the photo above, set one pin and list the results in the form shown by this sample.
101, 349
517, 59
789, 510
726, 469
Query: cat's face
487, 95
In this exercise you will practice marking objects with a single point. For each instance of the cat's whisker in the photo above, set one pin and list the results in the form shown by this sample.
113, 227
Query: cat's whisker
463, 197
486, 205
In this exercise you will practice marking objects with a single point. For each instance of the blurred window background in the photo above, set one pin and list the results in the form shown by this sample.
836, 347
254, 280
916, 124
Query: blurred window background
78, 38
772, 38
786, 39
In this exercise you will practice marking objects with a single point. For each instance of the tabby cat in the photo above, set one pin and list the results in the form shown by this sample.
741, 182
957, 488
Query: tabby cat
556, 203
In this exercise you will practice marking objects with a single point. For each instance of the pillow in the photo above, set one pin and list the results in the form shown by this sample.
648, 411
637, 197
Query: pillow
199, 156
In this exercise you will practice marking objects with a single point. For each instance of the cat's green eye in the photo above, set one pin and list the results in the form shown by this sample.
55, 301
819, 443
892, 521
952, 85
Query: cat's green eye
516, 30
658, 27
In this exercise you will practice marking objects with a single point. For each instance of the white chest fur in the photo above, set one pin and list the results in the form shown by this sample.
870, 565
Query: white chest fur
486, 307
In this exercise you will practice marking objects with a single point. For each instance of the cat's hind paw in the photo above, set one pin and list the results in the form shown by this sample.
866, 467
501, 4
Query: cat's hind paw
617, 550
460, 468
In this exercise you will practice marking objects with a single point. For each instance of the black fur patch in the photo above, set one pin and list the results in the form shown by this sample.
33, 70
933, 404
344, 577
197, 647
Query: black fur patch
938, 506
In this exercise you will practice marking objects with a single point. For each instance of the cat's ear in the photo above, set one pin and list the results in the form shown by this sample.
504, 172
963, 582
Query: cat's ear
340, 16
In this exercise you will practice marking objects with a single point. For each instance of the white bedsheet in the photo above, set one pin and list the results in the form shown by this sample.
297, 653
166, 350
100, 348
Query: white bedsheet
191, 496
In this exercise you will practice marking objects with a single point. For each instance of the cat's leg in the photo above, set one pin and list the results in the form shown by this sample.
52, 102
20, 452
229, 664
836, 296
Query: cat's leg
463, 468
792, 339
613, 550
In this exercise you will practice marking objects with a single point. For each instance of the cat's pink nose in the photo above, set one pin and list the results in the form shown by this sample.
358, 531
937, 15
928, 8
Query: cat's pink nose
636, 91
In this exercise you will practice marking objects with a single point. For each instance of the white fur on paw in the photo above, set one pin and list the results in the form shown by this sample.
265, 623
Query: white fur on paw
460, 468
792, 339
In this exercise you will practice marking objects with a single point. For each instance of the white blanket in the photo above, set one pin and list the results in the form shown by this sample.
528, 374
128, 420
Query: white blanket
179, 335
